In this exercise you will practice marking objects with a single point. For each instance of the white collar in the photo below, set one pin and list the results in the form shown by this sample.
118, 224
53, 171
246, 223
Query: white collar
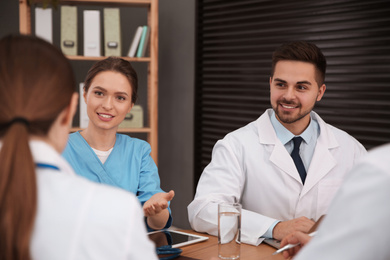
45, 153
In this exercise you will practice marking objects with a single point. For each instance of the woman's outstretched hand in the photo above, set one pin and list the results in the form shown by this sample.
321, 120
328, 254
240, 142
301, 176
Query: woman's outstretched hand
157, 203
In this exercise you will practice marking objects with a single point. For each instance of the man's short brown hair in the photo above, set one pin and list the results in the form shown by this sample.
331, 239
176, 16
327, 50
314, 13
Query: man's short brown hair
301, 51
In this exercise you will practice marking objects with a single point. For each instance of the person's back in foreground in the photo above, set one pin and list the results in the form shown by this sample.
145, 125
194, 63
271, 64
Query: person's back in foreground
355, 226
46, 211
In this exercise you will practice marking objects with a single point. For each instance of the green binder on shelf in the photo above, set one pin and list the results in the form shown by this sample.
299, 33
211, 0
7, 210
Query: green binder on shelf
143, 41
69, 30
134, 119
112, 32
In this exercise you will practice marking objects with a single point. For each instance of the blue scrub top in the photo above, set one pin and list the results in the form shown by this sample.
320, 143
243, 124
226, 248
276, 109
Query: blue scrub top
129, 166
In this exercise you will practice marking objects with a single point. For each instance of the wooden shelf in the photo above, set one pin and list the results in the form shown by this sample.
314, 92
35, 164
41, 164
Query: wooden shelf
135, 3
87, 58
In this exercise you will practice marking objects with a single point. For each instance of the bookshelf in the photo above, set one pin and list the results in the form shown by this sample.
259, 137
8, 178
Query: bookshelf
152, 74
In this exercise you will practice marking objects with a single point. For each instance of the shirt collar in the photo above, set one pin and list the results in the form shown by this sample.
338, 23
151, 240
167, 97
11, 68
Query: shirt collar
285, 135
43, 152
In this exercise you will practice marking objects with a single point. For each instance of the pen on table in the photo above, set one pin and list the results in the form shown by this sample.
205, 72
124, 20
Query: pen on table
291, 245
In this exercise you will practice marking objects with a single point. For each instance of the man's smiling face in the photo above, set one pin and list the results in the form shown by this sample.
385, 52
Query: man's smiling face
294, 92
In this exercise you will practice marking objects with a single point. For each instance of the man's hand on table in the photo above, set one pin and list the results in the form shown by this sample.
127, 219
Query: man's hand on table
285, 228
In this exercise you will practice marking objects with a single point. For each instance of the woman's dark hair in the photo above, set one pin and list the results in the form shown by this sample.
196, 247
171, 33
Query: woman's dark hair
117, 65
36, 85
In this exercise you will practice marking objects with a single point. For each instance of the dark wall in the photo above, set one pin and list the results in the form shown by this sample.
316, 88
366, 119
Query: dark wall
176, 103
9, 17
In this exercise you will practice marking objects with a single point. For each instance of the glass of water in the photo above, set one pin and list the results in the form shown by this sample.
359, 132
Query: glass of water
229, 230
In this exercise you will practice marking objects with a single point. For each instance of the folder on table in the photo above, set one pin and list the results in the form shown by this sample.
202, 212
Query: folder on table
92, 33
69, 30
112, 32
44, 24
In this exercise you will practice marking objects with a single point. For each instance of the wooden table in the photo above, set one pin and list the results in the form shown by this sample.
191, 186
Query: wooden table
209, 248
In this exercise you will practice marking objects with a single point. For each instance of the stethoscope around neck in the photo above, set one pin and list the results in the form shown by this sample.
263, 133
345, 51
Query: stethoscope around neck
47, 166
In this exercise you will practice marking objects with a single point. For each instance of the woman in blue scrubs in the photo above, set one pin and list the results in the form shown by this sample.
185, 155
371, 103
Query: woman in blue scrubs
47, 211
100, 154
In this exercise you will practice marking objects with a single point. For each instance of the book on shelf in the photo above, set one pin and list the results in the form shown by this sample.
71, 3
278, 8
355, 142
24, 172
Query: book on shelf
146, 43
84, 119
142, 42
69, 30
112, 32
135, 42
92, 33
43, 24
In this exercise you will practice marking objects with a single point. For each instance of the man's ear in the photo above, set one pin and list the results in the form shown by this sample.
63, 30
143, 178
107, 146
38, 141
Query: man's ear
71, 109
321, 92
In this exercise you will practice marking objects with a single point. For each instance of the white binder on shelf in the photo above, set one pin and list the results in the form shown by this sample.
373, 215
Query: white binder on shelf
92, 33
44, 23
69, 30
84, 120
112, 32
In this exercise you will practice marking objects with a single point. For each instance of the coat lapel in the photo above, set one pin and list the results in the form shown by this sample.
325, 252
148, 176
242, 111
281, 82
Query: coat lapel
282, 159
323, 161
278, 153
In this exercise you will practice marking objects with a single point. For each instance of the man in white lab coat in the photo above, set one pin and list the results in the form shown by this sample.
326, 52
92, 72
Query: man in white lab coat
253, 165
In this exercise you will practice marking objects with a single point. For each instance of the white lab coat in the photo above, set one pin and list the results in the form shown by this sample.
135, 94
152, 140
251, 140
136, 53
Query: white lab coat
78, 219
252, 166
356, 226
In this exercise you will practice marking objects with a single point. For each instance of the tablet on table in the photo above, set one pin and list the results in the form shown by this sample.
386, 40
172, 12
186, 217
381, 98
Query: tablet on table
174, 238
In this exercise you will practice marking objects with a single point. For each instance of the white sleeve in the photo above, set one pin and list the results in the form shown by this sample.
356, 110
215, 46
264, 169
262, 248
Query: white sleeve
356, 224
223, 180
114, 228
138, 244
